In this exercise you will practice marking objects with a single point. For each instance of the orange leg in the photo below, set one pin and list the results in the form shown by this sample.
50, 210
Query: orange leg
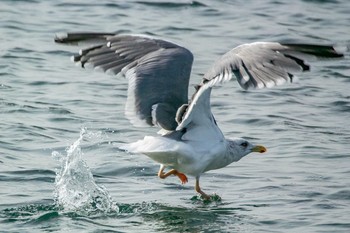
163, 175
198, 189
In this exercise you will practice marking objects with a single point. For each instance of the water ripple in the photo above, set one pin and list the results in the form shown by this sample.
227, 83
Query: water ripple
171, 4
301, 184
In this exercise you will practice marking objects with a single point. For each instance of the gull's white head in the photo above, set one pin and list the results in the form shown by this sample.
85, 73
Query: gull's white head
240, 147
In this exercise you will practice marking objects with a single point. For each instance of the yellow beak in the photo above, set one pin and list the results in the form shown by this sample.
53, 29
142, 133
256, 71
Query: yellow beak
260, 149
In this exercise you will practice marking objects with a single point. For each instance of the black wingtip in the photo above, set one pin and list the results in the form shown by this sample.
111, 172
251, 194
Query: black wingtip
322, 51
300, 62
66, 38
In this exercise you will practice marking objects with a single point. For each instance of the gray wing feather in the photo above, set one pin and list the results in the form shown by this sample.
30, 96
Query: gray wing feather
255, 65
158, 72
267, 64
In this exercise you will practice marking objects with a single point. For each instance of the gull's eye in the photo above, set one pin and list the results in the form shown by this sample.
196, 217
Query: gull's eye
244, 144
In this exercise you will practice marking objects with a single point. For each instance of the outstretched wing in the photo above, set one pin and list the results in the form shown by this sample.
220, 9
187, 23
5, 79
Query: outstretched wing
158, 72
266, 64
255, 65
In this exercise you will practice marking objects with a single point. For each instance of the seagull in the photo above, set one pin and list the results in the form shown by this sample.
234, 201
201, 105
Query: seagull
158, 73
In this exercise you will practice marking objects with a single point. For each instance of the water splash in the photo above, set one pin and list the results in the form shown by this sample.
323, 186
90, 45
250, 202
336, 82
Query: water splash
214, 199
75, 187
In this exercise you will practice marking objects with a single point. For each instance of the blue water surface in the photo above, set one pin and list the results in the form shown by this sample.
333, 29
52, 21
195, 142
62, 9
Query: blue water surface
60, 125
